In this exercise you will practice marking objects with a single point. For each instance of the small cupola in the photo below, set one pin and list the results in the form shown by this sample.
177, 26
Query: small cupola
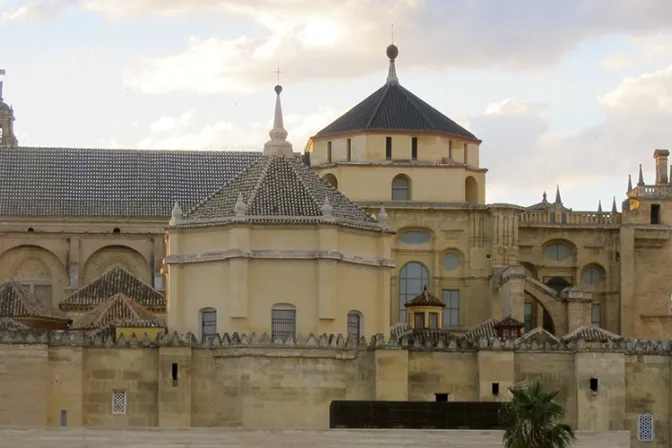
425, 311
509, 328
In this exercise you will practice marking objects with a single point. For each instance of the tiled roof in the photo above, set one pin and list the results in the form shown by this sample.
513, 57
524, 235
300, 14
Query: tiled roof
110, 182
118, 308
16, 301
428, 335
115, 281
486, 329
394, 108
425, 299
7, 323
539, 335
509, 321
591, 334
278, 189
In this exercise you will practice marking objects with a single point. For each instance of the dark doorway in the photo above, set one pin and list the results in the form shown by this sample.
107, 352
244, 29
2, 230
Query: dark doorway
558, 283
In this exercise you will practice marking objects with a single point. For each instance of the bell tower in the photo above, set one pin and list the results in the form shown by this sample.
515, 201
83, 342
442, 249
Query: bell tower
7, 137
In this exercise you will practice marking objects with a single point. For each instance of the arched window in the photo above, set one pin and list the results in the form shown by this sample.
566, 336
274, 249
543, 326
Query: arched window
413, 277
355, 324
401, 190
558, 252
470, 190
283, 321
208, 322
331, 180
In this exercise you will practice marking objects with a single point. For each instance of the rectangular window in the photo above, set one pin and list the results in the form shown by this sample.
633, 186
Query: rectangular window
354, 325
450, 149
451, 313
466, 155
655, 213
388, 148
645, 428
328, 152
119, 402
283, 324
209, 323
414, 148
173, 372
596, 315
528, 317
441, 397
419, 320
349, 150
433, 320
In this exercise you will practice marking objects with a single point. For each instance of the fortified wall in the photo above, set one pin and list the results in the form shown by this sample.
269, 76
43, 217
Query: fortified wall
67, 378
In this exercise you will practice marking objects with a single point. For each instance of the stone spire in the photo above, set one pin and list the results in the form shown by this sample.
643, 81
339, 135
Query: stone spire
599, 206
2, 73
629, 182
558, 199
392, 53
614, 210
278, 144
640, 182
176, 215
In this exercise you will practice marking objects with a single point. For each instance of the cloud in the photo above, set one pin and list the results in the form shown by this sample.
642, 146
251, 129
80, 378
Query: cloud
529, 155
618, 61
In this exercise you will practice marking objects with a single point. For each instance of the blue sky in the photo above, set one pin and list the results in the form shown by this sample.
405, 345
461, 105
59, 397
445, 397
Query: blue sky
573, 93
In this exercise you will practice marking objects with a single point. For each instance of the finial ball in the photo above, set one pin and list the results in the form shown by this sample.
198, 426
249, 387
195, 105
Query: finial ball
392, 51
278, 89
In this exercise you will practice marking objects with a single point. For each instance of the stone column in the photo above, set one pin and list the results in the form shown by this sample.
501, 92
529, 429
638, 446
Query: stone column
661, 166
578, 308
512, 292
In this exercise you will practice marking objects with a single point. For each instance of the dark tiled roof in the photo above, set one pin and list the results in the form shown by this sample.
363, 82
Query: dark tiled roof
119, 308
394, 108
538, 335
7, 323
425, 299
115, 281
591, 334
509, 321
110, 182
278, 189
486, 329
429, 335
16, 301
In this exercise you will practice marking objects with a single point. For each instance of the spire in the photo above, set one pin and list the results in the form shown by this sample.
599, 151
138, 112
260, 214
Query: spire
176, 215
278, 144
392, 53
640, 182
558, 199
2, 72
614, 210
544, 198
599, 206
629, 183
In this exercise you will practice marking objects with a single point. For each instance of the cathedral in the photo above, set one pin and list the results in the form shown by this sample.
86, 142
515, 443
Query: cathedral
375, 245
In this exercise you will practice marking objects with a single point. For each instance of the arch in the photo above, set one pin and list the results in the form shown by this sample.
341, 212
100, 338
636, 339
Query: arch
110, 257
558, 283
355, 324
283, 321
531, 315
593, 274
413, 277
207, 318
401, 188
559, 250
38, 269
470, 190
330, 179
530, 270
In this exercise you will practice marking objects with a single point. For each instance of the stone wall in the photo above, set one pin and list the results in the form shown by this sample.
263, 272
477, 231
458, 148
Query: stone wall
251, 382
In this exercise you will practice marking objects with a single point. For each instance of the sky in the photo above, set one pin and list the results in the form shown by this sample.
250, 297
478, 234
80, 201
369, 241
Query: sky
575, 93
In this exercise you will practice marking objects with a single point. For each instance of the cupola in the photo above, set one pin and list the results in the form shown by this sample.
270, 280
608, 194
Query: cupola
425, 311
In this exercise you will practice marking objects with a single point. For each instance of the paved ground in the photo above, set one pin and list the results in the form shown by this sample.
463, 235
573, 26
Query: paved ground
232, 438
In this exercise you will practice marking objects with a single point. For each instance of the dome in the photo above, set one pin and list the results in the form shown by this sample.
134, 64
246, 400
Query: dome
4, 107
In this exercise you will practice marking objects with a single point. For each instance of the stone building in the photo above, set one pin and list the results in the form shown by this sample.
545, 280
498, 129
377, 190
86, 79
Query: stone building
386, 204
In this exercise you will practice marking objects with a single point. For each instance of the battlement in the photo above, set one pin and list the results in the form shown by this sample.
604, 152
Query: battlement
536, 341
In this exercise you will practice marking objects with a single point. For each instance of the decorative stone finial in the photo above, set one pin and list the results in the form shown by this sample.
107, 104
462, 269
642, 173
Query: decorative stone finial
278, 144
629, 183
326, 208
176, 215
240, 208
614, 210
599, 206
392, 53
558, 199
544, 197
640, 182
382, 217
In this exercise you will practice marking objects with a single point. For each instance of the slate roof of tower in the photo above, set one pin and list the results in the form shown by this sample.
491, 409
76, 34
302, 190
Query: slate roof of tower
115, 281
17, 301
394, 108
278, 189
110, 182
117, 309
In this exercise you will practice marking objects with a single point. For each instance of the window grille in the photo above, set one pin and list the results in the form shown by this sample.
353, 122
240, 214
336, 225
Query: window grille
645, 428
283, 324
119, 402
208, 322
354, 325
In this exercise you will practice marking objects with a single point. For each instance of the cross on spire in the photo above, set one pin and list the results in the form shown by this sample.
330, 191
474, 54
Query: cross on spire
278, 72
392, 36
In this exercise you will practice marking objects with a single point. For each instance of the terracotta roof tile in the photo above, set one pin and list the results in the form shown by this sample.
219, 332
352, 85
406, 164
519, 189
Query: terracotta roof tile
115, 281
118, 308
425, 299
486, 329
110, 182
591, 334
16, 301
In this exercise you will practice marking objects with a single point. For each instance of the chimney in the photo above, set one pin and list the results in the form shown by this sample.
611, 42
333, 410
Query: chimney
661, 166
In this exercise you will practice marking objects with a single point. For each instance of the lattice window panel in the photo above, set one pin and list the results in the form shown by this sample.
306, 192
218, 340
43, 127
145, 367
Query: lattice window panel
645, 428
119, 402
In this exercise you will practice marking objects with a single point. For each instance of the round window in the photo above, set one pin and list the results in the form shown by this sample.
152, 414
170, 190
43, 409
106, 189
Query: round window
558, 252
451, 261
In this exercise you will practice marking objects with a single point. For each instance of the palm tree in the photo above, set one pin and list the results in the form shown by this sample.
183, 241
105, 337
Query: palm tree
531, 420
